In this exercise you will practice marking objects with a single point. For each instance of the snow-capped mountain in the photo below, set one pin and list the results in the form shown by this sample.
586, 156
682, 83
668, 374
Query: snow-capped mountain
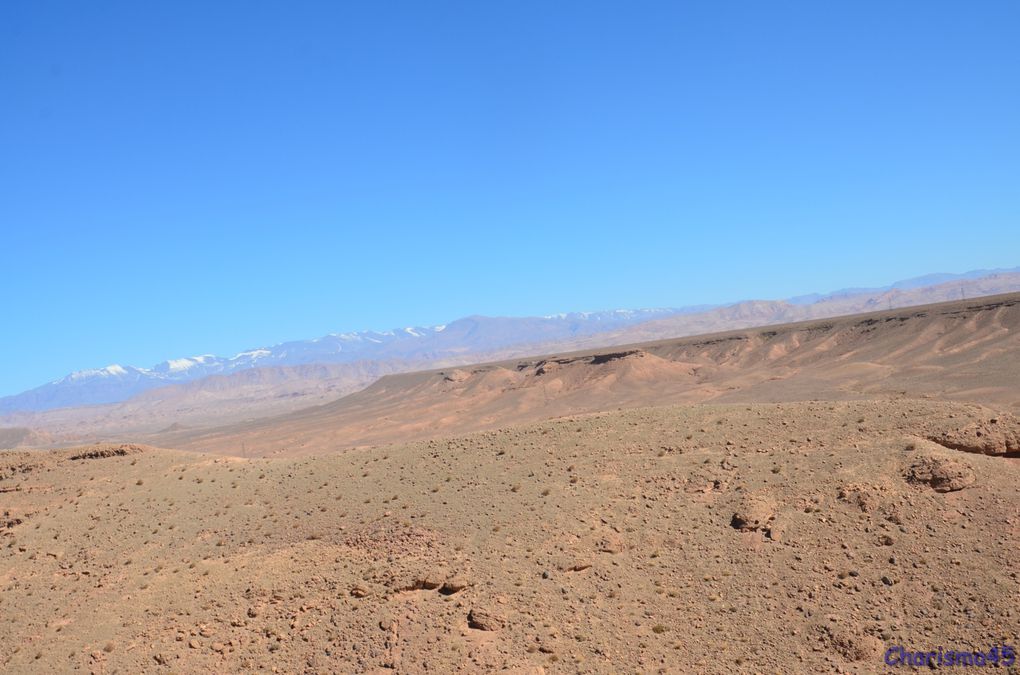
478, 335
475, 334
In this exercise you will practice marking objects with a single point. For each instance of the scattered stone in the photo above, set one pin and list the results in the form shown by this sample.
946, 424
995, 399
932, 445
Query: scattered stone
578, 566
483, 619
941, 474
454, 584
850, 645
102, 452
420, 584
865, 497
754, 513
995, 436
611, 543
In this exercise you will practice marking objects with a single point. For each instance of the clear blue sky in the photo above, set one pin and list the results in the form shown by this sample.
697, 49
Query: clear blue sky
190, 177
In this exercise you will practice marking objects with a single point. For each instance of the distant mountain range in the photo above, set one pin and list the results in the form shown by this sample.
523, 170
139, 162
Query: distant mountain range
478, 335
753, 313
474, 334
928, 280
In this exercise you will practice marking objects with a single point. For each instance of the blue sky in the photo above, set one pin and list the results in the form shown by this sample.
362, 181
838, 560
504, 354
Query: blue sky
182, 178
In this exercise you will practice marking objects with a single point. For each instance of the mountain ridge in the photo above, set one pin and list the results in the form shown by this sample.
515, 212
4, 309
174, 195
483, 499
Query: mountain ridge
953, 351
116, 382
481, 335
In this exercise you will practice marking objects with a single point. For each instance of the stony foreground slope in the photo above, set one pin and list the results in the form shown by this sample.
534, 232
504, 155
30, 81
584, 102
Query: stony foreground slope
722, 538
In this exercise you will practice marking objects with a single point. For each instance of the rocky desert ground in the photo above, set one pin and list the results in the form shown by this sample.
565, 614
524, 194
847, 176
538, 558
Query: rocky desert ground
801, 498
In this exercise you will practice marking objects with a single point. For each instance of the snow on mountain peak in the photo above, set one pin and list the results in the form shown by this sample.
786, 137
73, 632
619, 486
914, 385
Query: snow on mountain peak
187, 368
253, 355
112, 370
115, 382
180, 365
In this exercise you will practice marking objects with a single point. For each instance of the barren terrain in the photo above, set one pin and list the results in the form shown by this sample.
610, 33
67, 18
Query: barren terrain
271, 390
960, 351
792, 499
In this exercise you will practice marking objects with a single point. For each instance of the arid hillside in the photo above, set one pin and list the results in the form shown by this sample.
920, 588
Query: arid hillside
792, 537
765, 312
799, 498
965, 351
210, 401
273, 390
